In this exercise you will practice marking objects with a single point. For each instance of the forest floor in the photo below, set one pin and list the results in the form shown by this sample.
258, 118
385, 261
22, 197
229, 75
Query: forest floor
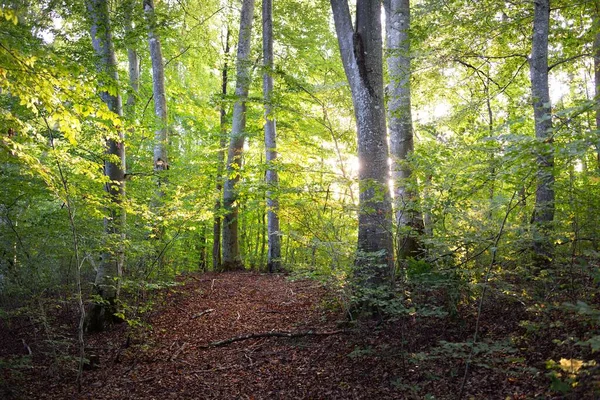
327, 357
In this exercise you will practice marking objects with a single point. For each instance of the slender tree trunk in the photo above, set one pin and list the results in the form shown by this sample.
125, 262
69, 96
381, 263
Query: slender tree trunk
202, 261
110, 268
596, 49
544, 196
362, 57
161, 161
216, 251
132, 57
274, 252
408, 219
231, 248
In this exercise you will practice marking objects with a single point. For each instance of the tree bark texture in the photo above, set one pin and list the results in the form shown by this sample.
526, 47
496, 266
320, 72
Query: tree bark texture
111, 265
161, 161
362, 57
274, 251
596, 49
544, 196
132, 57
216, 250
231, 248
407, 217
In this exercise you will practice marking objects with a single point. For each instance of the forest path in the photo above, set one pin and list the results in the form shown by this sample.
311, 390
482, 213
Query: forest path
171, 360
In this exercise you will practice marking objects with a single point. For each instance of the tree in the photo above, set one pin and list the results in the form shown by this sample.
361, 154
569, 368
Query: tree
544, 195
132, 56
111, 266
274, 252
161, 161
216, 250
596, 49
231, 248
361, 52
407, 217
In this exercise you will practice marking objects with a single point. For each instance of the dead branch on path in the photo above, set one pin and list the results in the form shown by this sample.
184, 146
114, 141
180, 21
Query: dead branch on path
271, 334
208, 311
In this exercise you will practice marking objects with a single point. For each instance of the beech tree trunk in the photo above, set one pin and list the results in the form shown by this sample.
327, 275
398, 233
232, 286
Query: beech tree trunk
161, 161
407, 217
231, 248
132, 57
596, 49
362, 57
544, 196
216, 251
274, 252
110, 268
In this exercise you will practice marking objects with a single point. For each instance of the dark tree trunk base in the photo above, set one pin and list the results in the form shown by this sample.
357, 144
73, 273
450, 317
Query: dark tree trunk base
100, 316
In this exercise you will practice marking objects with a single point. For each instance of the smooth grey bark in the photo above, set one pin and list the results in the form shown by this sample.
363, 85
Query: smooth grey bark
161, 161
362, 57
407, 217
544, 195
274, 251
111, 265
132, 58
596, 50
216, 250
231, 248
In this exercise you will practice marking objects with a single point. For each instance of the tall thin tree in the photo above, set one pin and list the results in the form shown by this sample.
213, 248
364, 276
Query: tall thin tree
161, 161
110, 268
362, 57
596, 48
231, 248
544, 196
274, 252
132, 56
216, 250
407, 217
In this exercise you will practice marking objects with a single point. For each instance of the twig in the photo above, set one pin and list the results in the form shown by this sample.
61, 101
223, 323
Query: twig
485, 286
208, 311
271, 334
174, 356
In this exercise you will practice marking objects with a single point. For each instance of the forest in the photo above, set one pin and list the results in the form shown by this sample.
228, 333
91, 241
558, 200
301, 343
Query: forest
312, 199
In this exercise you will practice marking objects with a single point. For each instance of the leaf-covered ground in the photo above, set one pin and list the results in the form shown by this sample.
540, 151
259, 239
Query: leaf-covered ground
409, 358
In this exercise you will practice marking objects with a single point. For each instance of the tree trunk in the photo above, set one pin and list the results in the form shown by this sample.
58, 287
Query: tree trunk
596, 50
110, 268
408, 219
544, 196
274, 252
216, 251
132, 57
231, 247
362, 56
161, 161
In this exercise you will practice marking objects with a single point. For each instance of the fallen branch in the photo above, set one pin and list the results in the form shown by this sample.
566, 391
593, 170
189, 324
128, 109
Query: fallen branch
271, 334
174, 356
208, 311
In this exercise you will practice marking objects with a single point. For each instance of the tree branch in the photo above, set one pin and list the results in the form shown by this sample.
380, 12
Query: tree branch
575, 57
271, 334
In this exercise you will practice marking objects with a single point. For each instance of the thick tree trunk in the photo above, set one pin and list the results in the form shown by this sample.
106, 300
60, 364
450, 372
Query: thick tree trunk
216, 251
110, 268
274, 252
231, 248
408, 219
161, 161
544, 196
132, 57
362, 57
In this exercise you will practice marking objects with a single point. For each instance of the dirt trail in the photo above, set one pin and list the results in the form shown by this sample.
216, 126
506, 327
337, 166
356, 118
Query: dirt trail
172, 361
